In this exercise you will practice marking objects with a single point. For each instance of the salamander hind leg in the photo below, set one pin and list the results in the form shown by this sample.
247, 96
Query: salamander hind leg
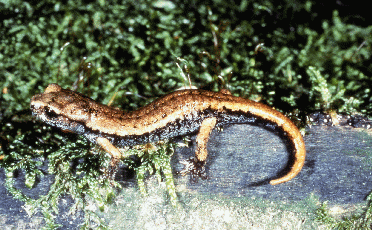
196, 166
115, 156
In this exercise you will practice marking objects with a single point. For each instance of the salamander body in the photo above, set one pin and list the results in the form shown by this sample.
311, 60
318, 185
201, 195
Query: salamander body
176, 114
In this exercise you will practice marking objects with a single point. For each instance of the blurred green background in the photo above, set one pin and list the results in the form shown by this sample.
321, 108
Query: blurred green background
289, 54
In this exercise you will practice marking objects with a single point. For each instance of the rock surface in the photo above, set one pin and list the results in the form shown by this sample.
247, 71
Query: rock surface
338, 169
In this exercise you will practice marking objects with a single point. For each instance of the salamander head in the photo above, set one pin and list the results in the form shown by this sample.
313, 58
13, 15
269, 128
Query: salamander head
60, 107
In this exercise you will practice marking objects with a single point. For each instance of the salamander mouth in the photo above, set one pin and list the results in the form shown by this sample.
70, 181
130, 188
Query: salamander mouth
44, 113
51, 117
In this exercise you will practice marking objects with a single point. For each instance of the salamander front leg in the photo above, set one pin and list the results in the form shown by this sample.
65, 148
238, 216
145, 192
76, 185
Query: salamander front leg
195, 166
114, 152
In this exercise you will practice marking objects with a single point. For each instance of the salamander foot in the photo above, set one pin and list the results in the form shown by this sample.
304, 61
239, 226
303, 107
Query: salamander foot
195, 168
112, 169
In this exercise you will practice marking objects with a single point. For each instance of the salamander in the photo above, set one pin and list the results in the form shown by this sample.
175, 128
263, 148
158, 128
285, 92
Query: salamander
176, 114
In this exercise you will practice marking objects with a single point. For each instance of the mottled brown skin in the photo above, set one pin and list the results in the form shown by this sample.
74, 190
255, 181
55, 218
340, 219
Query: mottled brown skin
176, 114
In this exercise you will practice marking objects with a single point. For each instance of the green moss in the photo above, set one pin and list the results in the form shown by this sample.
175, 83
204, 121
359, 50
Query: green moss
355, 221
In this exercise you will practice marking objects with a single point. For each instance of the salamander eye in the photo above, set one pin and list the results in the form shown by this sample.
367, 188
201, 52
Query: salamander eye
50, 113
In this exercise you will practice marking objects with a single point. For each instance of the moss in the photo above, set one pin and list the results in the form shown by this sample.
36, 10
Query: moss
355, 221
